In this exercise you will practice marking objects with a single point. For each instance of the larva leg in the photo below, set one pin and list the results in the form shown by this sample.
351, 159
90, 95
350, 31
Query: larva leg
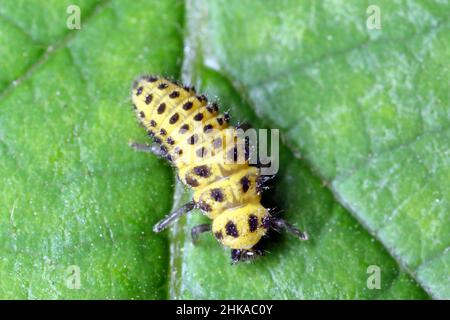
197, 230
153, 148
172, 217
242, 255
282, 224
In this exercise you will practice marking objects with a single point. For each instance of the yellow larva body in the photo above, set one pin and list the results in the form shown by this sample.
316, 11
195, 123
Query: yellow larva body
184, 123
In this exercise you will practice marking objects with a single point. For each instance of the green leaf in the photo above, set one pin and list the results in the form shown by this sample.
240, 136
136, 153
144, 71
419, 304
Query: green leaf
364, 167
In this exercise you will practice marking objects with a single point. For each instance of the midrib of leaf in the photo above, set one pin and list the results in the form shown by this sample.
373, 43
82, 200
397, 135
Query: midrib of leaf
52, 48
192, 56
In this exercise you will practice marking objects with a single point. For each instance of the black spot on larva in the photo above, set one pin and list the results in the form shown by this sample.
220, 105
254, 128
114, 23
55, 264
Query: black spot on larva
142, 114
139, 91
188, 105
201, 152
191, 181
152, 79
217, 143
204, 206
170, 141
198, 116
151, 134
202, 171
202, 98
134, 106
164, 149
157, 140
169, 157
161, 108
184, 128
265, 222
153, 123
174, 118
212, 108
207, 128
217, 194
231, 230
245, 184
220, 121
192, 139
226, 117
148, 99
178, 151
174, 94
162, 132
162, 86
218, 235
252, 222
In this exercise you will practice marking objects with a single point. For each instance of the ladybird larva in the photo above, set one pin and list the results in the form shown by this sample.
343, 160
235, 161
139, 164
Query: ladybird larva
190, 132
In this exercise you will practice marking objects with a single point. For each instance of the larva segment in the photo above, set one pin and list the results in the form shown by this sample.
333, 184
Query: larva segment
206, 171
180, 123
232, 191
197, 141
208, 162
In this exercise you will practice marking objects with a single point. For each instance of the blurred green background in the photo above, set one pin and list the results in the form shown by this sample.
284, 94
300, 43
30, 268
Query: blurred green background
364, 117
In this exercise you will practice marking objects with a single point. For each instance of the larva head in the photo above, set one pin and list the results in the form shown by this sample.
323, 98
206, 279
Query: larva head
242, 227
